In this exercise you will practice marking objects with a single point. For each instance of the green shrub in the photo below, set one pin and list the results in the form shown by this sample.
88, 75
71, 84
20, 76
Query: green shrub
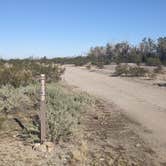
121, 70
137, 71
15, 77
64, 111
23, 74
19, 99
130, 71
153, 61
64, 108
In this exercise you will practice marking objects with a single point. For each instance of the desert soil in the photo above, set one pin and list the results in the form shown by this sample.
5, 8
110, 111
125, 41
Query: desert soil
124, 128
143, 103
105, 137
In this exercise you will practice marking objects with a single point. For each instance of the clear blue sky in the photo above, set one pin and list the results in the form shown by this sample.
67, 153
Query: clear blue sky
70, 27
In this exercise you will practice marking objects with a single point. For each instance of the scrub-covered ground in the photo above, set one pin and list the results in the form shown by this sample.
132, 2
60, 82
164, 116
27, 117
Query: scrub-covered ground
84, 130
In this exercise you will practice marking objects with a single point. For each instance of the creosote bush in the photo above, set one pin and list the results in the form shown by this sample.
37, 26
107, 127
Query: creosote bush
121, 70
15, 77
130, 71
25, 73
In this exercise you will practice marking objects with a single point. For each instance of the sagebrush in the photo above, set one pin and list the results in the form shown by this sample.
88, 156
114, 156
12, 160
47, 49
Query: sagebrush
64, 107
28, 72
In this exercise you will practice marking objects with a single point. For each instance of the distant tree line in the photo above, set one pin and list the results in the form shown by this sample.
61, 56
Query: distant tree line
148, 51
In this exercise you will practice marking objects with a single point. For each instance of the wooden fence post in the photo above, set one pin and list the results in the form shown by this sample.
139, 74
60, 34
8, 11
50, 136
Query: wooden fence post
43, 109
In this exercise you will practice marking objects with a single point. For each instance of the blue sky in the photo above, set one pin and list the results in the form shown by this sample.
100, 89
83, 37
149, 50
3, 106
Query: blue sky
56, 28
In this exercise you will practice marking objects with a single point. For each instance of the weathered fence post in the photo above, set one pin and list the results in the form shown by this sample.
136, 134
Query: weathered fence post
43, 109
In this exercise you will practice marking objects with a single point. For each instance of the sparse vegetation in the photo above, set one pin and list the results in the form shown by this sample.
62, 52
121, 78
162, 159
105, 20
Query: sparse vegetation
73, 118
64, 107
130, 71
64, 110
23, 73
158, 69
89, 66
148, 51
15, 76
12, 99
20, 91
153, 61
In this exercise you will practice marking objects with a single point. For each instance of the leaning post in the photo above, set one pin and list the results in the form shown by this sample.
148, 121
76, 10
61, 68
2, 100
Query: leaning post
43, 109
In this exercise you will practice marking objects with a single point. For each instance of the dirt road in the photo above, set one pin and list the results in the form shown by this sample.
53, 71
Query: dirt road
142, 103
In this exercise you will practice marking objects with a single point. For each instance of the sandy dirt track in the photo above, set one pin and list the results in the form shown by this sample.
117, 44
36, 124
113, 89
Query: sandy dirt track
142, 103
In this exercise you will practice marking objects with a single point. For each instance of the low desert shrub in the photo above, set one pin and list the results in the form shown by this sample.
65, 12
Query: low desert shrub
17, 99
64, 111
158, 69
15, 77
100, 65
137, 71
89, 67
23, 74
121, 70
129, 71
153, 61
64, 108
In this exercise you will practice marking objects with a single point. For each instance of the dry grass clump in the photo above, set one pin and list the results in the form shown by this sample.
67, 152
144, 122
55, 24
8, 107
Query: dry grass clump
80, 153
